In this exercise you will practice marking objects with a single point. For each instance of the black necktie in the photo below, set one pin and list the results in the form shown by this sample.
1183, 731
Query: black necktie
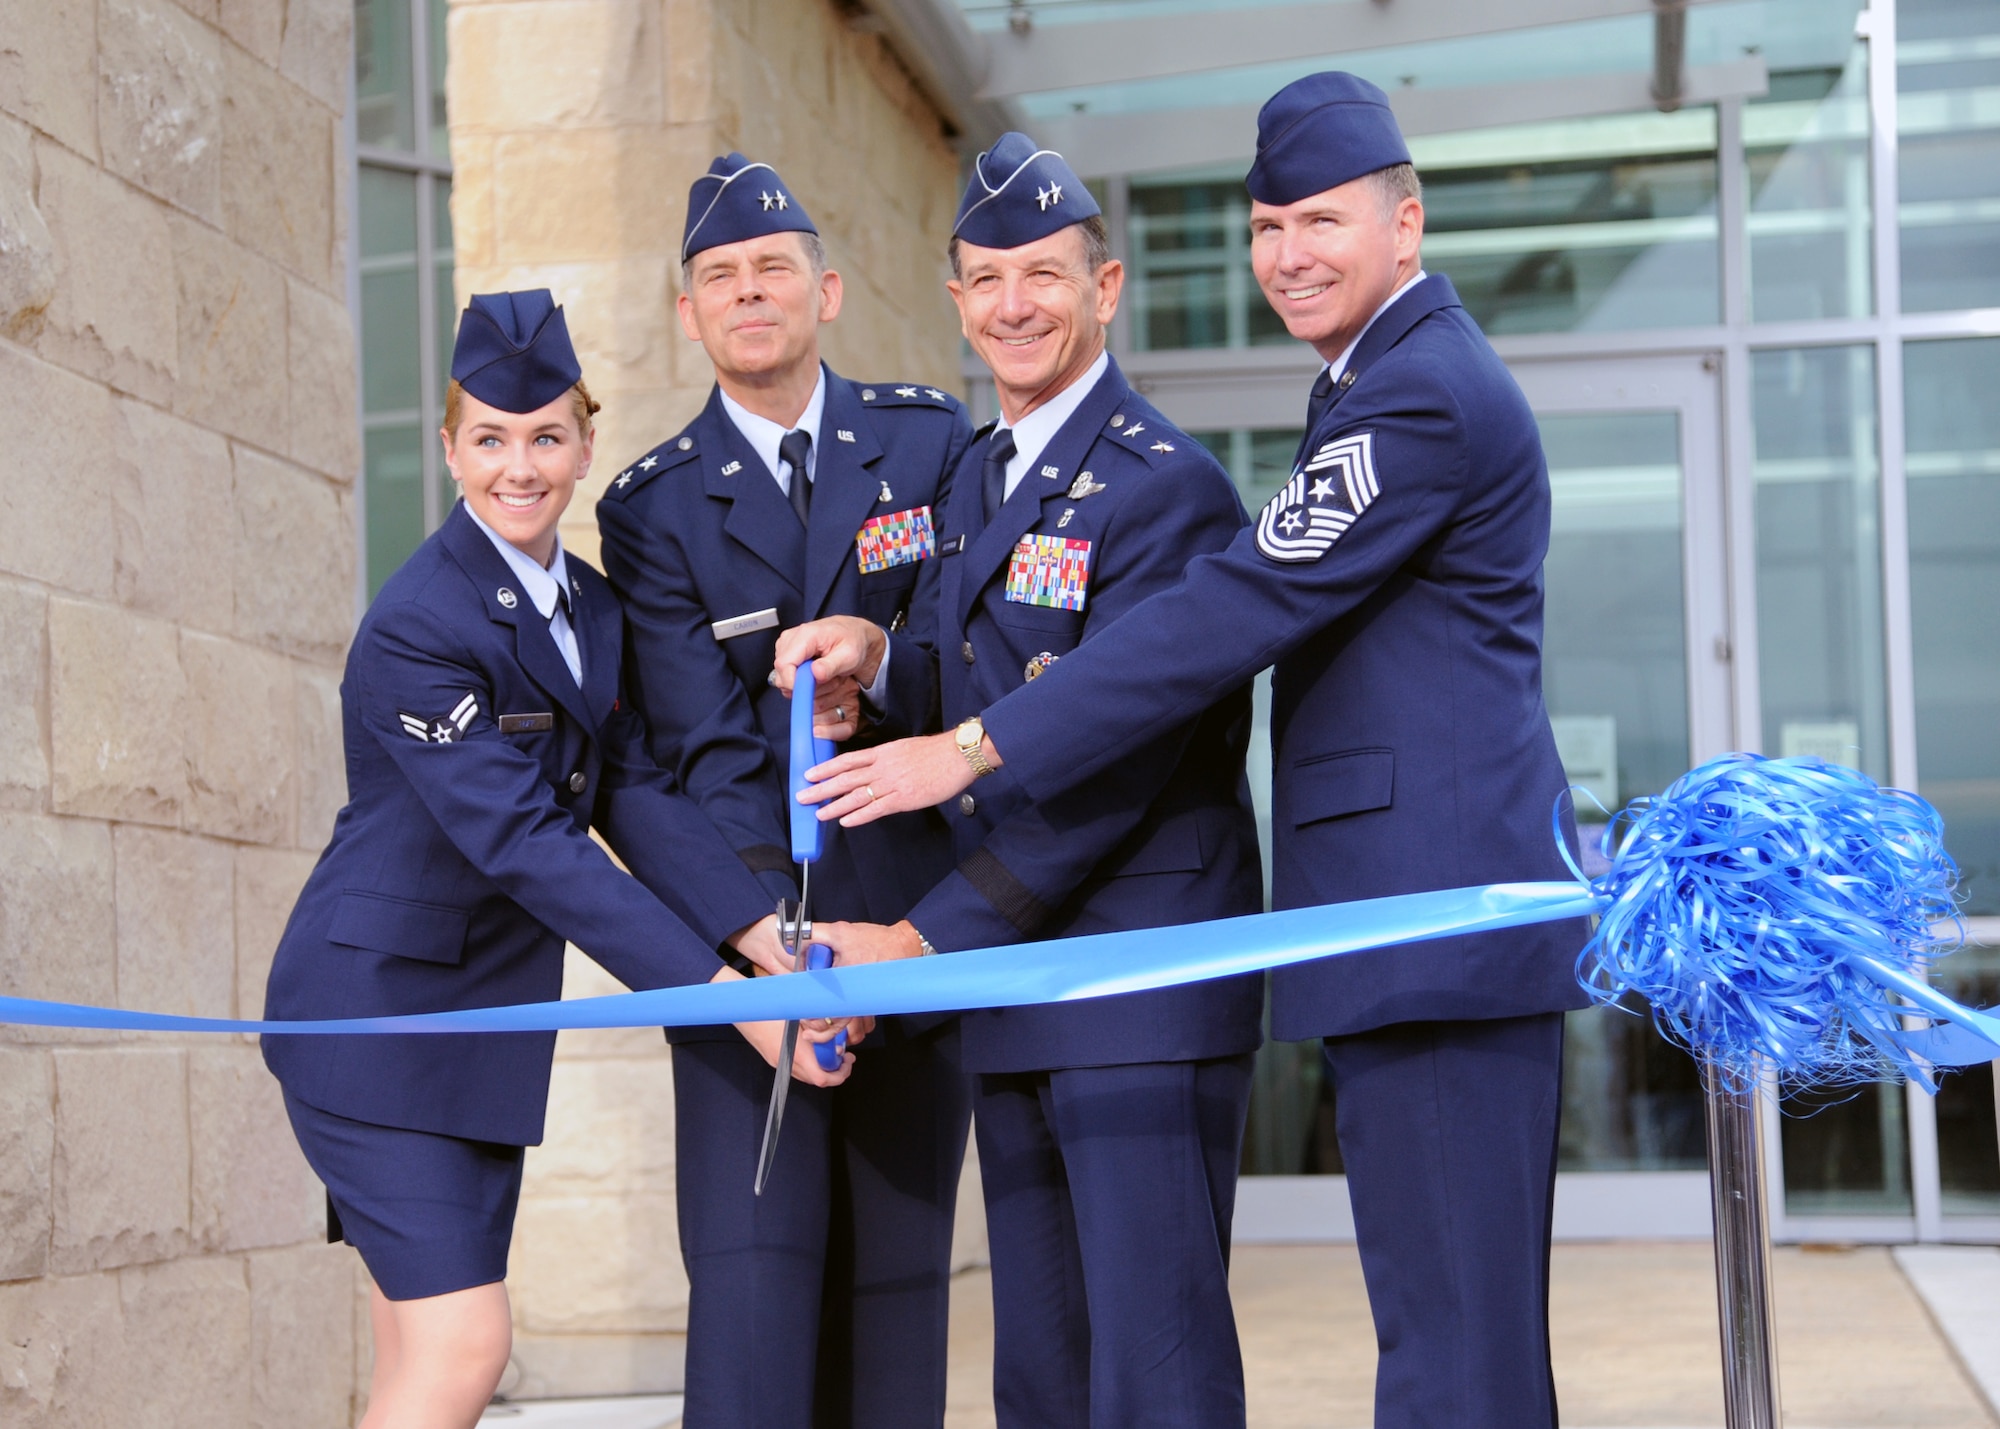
1321, 399
993, 470
792, 447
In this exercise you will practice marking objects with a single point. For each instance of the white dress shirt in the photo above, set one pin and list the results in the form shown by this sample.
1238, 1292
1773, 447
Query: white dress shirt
1034, 432
548, 590
763, 434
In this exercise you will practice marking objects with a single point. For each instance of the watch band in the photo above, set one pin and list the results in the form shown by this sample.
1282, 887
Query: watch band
974, 755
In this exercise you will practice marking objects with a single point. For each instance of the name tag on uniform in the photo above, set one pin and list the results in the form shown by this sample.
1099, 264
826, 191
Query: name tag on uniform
898, 539
1049, 570
527, 723
749, 624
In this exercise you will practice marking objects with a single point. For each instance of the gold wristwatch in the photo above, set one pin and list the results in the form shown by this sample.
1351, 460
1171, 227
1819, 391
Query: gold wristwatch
968, 737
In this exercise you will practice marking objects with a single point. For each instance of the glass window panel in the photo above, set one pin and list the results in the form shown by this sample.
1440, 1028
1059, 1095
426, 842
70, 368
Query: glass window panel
1948, 138
1806, 151
384, 112
390, 344
1819, 572
1190, 268
1968, 1125
441, 263
1614, 672
1597, 241
1952, 441
1846, 1152
394, 470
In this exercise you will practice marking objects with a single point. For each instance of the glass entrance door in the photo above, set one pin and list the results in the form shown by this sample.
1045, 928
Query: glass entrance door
1635, 671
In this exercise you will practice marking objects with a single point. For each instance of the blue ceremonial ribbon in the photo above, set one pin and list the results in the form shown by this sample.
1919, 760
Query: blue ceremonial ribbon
1773, 913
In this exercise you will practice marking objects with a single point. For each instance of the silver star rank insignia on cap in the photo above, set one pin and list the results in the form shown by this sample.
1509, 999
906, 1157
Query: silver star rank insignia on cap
1084, 486
773, 200
441, 731
1049, 195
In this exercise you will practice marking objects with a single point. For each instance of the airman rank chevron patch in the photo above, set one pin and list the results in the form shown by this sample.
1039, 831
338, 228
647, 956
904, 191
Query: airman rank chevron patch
442, 731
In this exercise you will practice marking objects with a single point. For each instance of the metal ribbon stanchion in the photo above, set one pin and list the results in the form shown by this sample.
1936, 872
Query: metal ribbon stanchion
1736, 1188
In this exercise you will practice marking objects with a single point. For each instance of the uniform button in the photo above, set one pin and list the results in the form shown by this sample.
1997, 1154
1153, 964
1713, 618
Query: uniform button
968, 652
576, 782
967, 805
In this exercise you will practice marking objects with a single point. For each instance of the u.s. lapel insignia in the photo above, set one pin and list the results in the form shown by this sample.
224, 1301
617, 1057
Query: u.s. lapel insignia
732, 468
1084, 486
887, 494
441, 731
507, 597
1052, 473
844, 435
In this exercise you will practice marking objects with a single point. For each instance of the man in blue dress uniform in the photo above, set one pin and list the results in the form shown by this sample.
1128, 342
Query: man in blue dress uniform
1109, 1132
1395, 583
795, 493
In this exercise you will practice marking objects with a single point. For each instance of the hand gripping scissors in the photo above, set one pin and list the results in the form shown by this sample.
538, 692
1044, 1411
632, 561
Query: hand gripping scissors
808, 843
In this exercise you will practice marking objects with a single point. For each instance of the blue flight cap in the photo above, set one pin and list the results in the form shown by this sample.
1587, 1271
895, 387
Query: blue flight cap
1319, 132
1019, 193
514, 352
737, 199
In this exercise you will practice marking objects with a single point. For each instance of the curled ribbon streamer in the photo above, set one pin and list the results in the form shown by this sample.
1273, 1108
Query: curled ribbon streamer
1774, 911
1769, 910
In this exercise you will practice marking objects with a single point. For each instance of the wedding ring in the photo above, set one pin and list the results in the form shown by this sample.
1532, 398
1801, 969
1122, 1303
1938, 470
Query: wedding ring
872, 795
840, 714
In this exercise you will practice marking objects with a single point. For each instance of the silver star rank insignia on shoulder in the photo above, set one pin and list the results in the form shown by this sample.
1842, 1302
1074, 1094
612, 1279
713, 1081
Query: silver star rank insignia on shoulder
1083, 486
441, 731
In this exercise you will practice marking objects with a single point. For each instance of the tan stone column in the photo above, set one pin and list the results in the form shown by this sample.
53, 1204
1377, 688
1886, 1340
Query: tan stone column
177, 579
576, 129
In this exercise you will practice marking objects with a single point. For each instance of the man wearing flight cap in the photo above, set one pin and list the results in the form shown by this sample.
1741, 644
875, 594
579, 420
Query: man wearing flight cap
1109, 1131
1395, 584
795, 493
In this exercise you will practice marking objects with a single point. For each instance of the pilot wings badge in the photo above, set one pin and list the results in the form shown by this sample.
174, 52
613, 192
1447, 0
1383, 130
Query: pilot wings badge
441, 731
1323, 498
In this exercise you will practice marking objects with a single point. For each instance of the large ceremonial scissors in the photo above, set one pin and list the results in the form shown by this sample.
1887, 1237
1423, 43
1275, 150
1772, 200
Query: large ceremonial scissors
808, 843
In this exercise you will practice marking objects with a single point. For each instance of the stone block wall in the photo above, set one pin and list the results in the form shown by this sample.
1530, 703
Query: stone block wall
177, 587
576, 128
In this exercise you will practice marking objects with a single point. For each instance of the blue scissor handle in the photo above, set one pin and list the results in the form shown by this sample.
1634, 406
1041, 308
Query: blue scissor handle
818, 956
808, 833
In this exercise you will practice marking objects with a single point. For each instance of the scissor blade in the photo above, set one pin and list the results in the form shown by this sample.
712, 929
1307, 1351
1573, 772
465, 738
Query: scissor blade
781, 1087
774, 1118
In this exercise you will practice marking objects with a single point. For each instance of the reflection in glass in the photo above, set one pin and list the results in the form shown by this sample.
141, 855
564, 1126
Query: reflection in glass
1952, 441
1819, 562
1846, 1152
390, 354
1583, 225
440, 132
1191, 284
1948, 152
1968, 1125
383, 110
1806, 149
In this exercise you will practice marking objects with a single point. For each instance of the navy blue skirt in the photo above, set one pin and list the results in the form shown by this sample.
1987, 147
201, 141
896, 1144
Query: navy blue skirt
429, 1213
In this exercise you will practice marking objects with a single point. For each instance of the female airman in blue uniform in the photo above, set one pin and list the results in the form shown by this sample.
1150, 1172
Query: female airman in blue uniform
485, 736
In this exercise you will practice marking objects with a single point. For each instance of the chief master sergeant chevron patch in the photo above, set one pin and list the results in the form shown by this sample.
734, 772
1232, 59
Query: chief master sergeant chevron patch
1323, 498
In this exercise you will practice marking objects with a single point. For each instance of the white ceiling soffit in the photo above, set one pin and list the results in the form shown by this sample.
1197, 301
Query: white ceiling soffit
1067, 56
949, 60
1194, 137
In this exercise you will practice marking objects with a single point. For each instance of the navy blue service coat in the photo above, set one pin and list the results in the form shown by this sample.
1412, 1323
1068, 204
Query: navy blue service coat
696, 531
1410, 746
1168, 836
463, 861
